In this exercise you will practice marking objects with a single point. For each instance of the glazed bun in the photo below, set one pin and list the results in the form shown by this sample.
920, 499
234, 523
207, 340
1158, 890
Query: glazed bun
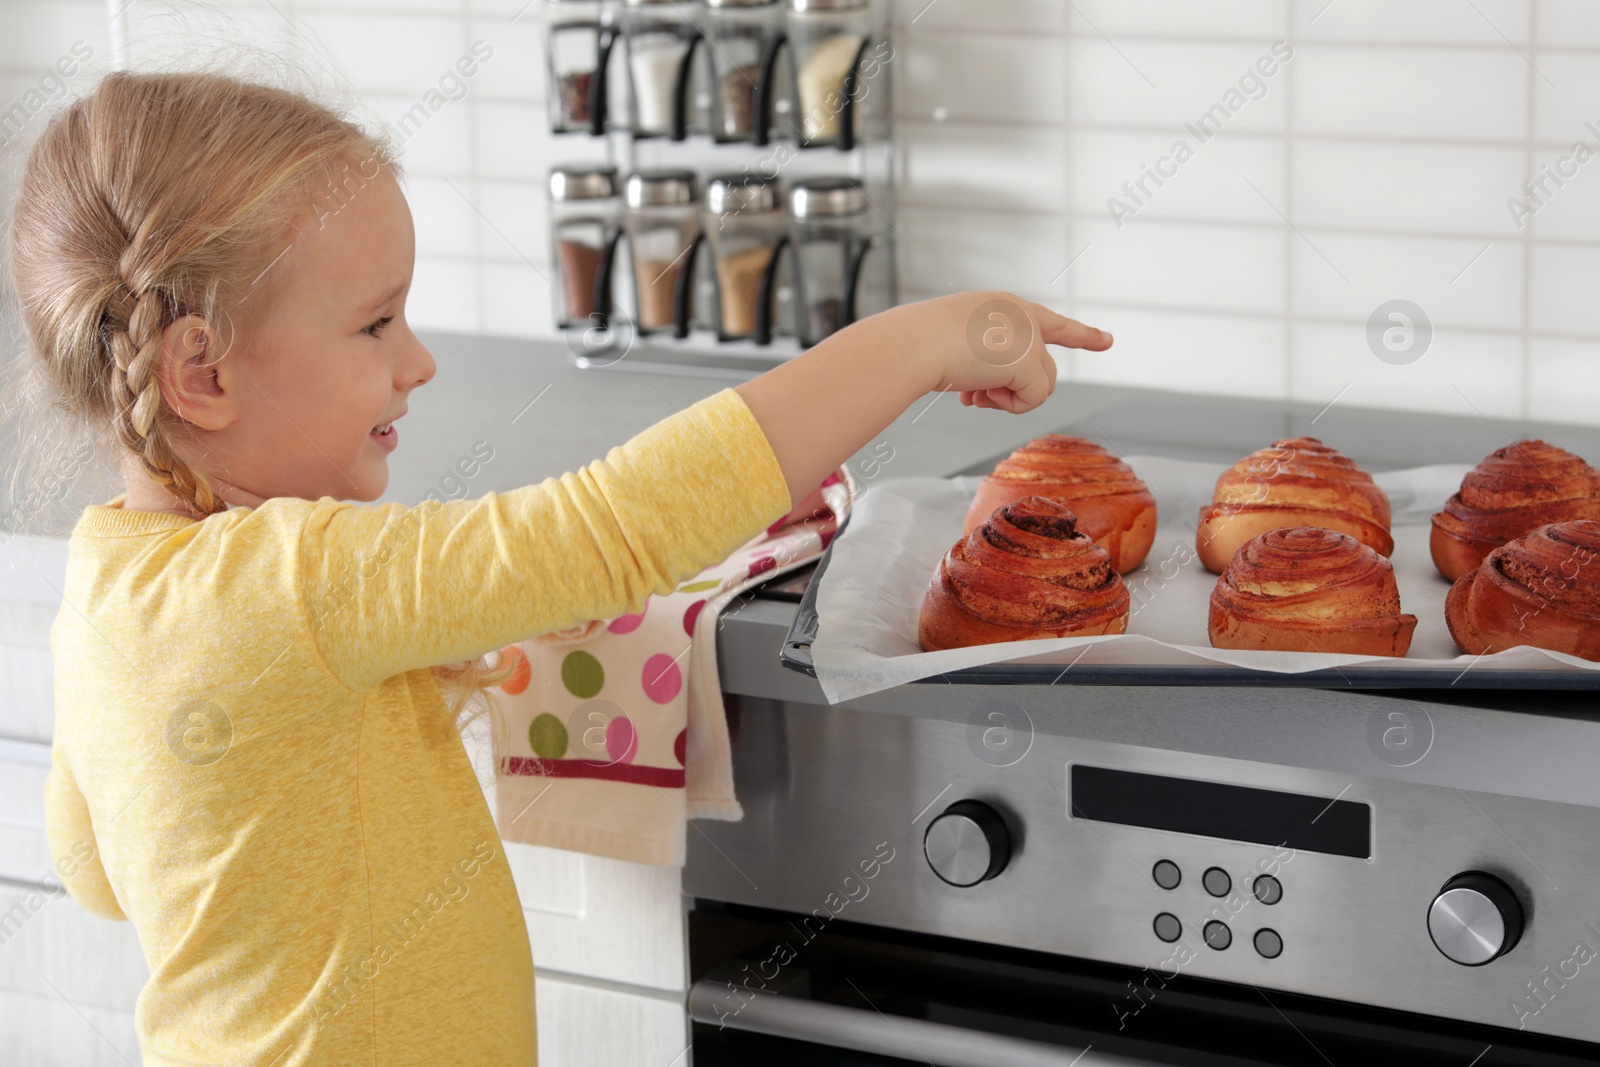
1025, 574
1515, 490
1114, 507
1296, 482
1307, 589
1541, 589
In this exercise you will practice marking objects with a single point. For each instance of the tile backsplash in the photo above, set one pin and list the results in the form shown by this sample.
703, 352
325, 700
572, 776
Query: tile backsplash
1233, 188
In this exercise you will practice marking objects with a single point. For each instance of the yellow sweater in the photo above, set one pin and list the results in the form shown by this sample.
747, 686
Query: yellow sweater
253, 763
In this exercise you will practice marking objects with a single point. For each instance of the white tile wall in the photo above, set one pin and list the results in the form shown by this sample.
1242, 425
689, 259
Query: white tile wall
1375, 164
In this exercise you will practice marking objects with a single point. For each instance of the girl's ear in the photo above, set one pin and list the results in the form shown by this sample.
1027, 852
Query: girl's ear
190, 351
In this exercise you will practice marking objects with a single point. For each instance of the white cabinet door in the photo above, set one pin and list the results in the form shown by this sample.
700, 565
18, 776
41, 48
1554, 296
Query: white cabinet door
51, 948
583, 1025
603, 918
24, 850
31, 570
43, 1032
68, 981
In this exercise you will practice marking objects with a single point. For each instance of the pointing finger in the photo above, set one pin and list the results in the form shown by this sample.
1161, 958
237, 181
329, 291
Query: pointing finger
1057, 329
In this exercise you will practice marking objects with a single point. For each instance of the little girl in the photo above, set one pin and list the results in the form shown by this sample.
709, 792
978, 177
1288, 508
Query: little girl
254, 758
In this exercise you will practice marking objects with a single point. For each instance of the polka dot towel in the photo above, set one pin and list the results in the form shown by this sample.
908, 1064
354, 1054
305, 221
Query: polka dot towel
618, 734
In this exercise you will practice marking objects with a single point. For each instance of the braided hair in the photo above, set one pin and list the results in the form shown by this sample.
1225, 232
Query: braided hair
133, 337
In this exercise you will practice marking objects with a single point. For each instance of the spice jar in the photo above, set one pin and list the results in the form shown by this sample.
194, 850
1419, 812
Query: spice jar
583, 231
828, 40
661, 36
661, 218
743, 35
828, 230
744, 226
577, 53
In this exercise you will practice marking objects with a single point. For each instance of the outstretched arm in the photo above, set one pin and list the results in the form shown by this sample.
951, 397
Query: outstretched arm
819, 409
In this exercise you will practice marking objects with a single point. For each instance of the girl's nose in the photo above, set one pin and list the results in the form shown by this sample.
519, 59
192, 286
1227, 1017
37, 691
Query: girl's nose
419, 367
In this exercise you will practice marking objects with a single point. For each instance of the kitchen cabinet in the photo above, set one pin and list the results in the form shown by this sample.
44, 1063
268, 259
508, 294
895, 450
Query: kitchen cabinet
68, 981
602, 918
583, 1024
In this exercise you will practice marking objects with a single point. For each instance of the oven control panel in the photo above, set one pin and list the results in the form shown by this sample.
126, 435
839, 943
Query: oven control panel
1430, 898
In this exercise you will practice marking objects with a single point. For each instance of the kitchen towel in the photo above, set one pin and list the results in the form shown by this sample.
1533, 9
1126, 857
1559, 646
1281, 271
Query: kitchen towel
618, 735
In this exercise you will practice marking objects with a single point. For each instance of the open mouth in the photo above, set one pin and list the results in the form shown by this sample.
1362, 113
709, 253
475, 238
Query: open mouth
386, 434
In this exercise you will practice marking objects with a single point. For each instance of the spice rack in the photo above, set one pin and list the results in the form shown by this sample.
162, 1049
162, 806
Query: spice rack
745, 178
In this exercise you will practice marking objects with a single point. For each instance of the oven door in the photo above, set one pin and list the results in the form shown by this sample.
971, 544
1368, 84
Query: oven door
771, 988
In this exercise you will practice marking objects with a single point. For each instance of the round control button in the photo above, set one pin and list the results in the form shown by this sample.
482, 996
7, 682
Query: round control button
1167, 926
967, 844
1217, 934
1166, 874
1268, 943
1216, 881
1475, 918
1267, 889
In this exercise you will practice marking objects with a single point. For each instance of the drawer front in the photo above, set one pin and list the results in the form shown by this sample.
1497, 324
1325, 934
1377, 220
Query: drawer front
24, 852
582, 1025
27, 692
602, 918
50, 1032
51, 948
32, 569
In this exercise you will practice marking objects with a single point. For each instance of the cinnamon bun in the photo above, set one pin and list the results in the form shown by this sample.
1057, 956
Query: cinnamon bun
1025, 574
1309, 589
1297, 482
1114, 507
1541, 589
1515, 490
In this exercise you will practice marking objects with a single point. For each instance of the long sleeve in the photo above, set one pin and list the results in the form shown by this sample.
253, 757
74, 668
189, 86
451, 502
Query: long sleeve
391, 588
74, 852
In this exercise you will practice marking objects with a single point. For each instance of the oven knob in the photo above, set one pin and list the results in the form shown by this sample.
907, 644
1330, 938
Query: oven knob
967, 844
1475, 918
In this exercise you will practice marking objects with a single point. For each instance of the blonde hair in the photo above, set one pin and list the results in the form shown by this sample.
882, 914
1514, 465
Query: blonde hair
161, 195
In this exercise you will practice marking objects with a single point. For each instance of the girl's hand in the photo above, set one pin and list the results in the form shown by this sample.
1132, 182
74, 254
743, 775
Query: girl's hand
991, 347
819, 408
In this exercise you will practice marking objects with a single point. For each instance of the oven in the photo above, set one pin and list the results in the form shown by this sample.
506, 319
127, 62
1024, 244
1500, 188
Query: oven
1105, 874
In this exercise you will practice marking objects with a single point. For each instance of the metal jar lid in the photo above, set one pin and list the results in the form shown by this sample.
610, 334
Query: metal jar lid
659, 188
730, 194
826, 198
807, 7
582, 181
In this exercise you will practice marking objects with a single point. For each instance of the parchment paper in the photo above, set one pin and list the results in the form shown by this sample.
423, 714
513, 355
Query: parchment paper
870, 596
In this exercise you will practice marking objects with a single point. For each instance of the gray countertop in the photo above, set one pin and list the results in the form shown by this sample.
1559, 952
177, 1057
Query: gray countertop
544, 415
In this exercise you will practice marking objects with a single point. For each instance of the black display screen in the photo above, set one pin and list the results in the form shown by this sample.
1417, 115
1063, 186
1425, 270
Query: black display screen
1212, 809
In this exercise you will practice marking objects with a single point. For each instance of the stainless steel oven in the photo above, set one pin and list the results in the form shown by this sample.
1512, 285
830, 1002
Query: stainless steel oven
1276, 893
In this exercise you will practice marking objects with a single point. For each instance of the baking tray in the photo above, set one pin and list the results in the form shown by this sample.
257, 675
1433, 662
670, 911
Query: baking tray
796, 656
